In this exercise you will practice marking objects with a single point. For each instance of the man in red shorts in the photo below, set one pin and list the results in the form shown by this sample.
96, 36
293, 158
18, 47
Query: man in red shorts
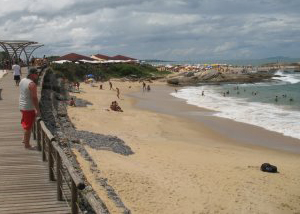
29, 104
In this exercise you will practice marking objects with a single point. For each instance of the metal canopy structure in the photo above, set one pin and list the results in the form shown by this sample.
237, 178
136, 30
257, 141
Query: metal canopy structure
14, 49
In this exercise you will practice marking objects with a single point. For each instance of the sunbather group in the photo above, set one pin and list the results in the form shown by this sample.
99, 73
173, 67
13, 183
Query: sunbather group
115, 106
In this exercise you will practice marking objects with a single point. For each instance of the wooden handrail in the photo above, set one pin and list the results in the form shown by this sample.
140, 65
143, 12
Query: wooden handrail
95, 204
46, 131
77, 180
45, 138
56, 154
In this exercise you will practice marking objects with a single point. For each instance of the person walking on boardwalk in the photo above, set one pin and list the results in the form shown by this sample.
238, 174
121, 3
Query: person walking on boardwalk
29, 105
17, 73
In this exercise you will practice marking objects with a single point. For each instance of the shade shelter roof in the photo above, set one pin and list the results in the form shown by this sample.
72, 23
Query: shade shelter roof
14, 48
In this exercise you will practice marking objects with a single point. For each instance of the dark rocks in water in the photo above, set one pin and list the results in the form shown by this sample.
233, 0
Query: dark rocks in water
214, 76
173, 81
189, 74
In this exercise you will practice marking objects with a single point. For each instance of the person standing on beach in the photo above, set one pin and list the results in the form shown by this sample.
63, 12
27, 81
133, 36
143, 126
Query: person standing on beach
29, 105
118, 92
17, 73
110, 85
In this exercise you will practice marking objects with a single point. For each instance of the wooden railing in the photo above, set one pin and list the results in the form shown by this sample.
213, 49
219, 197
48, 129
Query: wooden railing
70, 186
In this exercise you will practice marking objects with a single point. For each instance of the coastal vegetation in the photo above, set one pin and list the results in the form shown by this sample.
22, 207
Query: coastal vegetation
77, 72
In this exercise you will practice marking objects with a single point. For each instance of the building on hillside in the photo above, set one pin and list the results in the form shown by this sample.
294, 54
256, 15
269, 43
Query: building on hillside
95, 59
115, 59
73, 57
121, 57
125, 58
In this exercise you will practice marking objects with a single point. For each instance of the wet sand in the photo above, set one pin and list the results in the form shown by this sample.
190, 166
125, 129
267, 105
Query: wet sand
185, 161
160, 100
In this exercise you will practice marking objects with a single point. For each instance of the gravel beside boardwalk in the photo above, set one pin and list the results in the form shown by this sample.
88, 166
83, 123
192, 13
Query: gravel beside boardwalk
24, 181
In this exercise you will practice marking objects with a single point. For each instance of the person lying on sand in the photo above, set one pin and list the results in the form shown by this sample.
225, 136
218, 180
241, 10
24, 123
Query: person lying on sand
115, 106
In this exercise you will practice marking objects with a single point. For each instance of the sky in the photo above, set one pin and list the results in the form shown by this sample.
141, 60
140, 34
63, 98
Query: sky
156, 29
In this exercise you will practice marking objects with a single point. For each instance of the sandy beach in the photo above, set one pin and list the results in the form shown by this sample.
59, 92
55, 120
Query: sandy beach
181, 164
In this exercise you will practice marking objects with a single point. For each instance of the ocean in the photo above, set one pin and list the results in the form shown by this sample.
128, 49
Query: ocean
254, 104
238, 62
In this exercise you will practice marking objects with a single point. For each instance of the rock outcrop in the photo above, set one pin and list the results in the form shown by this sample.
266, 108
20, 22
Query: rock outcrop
214, 76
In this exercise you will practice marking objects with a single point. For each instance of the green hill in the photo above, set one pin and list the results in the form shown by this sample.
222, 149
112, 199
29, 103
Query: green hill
77, 72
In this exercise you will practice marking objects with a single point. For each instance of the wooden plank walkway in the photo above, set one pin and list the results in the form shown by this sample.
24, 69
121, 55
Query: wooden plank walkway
24, 180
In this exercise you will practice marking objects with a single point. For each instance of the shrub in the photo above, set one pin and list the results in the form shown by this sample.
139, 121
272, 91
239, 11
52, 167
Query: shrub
77, 72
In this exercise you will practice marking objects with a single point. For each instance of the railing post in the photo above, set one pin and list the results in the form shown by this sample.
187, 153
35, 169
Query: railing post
74, 198
43, 145
59, 176
38, 126
50, 160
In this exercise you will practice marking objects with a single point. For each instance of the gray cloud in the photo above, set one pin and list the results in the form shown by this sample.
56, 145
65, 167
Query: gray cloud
165, 29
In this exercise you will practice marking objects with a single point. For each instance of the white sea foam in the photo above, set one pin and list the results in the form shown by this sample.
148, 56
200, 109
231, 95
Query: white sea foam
269, 116
287, 78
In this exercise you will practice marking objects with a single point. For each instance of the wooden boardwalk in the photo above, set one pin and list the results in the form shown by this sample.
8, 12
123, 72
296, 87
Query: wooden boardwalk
24, 179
